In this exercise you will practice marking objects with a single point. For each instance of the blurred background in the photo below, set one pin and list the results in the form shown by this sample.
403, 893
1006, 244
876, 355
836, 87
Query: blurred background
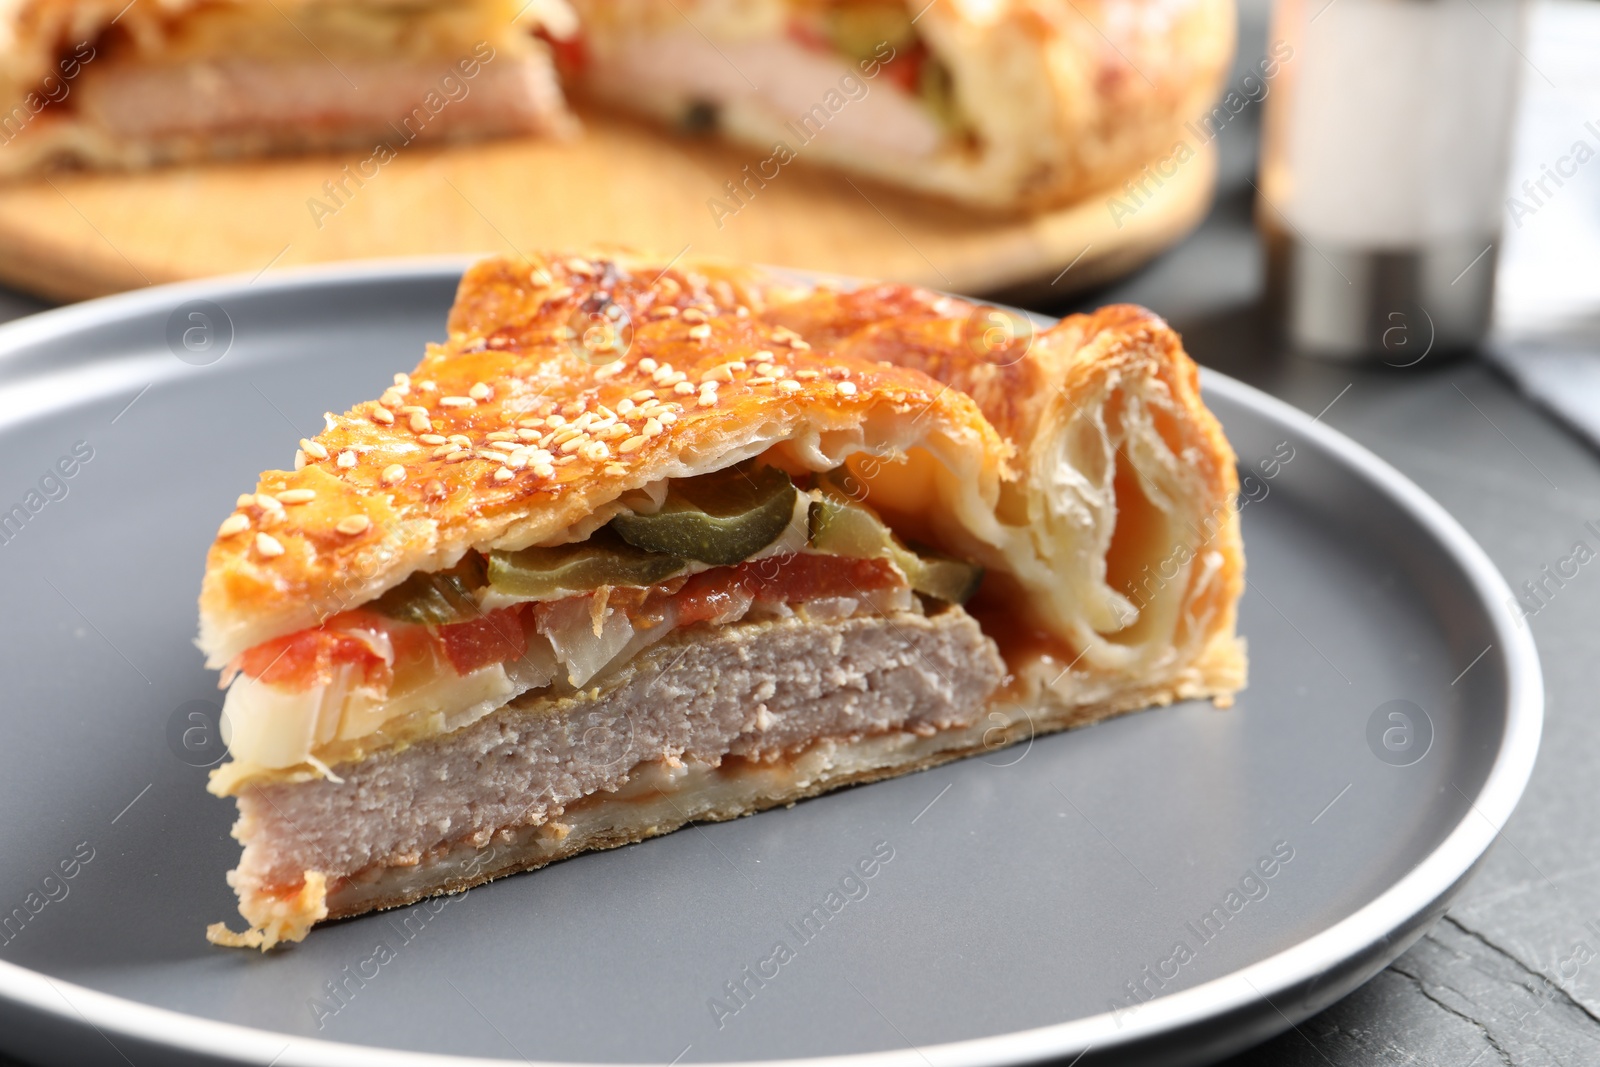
1402, 238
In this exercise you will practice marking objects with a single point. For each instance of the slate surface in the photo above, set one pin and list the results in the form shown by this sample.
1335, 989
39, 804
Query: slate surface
1512, 974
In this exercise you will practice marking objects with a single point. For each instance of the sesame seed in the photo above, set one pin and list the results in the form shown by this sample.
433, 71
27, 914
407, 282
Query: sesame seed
504, 474
456, 402
312, 449
708, 399
789, 385
667, 418
765, 368
432, 439
413, 409
574, 444
501, 435
500, 446
393, 474
555, 420
268, 502
530, 424
595, 451
560, 292
458, 455
443, 451
233, 525
244, 500
579, 266
479, 391
684, 389
540, 277
583, 421
648, 365
544, 470
297, 496
664, 312
427, 386
616, 468
693, 315
528, 435
633, 444
268, 546
402, 380
807, 375
420, 423
299, 460
643, 395
701, 332
799, 345
351, 525
382, 414
765, 379
391, 398
652, 428
565, 460
460, 440
847, 388
347, 459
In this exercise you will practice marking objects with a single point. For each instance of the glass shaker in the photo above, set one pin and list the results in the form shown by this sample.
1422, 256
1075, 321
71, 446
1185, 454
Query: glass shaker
1383, 172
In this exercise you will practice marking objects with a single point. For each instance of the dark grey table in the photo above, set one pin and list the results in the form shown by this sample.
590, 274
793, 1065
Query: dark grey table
1511, 975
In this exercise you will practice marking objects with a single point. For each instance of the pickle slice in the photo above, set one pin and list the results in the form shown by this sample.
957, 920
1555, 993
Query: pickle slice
721, 518
603, 559
436, 599
941, 577
840, 528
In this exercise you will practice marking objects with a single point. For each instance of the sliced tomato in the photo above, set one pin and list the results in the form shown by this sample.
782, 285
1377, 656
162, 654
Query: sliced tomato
809, 35
707, 595
571, 54
810, 576
494, 637
301, 660
781, 579
905, 69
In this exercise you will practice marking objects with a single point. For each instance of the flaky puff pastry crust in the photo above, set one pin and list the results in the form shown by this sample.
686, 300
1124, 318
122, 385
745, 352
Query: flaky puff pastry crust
1121, 553
1078, 463
698, 381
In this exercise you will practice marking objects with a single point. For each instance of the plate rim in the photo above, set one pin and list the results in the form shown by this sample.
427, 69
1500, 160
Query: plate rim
1398, 908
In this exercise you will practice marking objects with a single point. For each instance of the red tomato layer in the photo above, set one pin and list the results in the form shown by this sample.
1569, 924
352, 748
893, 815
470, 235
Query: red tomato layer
781, 579
494, 637
301, 660
307, 658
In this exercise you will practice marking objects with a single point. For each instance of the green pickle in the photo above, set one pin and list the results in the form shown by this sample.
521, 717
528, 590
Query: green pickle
436, 599
720, 518
578, 567
847, 529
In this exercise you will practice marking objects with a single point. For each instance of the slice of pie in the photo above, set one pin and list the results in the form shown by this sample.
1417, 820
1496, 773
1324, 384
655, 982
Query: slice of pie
642, 544
108, 83
1000, 104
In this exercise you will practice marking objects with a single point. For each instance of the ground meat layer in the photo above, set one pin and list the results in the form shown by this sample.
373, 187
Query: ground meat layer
755, 690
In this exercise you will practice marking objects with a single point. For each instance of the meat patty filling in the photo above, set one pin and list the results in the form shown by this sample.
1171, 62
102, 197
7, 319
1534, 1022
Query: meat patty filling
755, 691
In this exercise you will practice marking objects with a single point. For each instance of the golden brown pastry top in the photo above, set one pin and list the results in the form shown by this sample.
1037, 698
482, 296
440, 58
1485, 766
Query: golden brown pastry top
413, 479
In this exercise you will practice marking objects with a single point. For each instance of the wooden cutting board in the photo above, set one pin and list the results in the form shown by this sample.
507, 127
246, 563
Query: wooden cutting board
73, 235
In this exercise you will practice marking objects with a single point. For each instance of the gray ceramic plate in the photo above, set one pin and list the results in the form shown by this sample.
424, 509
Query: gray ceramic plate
1028, 906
